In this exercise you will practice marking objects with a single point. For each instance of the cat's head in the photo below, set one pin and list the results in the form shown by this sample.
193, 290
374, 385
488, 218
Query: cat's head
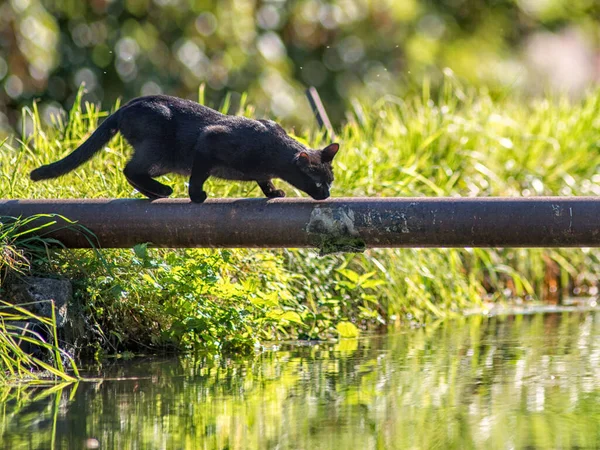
315, 174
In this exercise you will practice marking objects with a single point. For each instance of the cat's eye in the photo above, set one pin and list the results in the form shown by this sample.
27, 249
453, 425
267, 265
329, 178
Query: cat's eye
318, 185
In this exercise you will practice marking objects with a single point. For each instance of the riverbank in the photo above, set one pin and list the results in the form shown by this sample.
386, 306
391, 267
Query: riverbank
458, 143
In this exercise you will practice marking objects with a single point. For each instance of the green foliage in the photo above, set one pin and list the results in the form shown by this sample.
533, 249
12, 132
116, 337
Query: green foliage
189, 299
273, 50
209, 306
19, 364
22, 239
461, 142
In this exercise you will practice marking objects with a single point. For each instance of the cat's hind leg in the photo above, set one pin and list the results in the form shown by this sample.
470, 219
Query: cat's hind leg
269, 189
201, 168
141, 179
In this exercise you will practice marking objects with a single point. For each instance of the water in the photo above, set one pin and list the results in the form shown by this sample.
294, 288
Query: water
512, 382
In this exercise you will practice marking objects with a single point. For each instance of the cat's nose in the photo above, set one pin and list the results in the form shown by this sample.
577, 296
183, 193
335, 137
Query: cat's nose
320, 196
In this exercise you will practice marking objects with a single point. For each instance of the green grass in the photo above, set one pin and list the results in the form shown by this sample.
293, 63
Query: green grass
459, 143
21, 240
16, 363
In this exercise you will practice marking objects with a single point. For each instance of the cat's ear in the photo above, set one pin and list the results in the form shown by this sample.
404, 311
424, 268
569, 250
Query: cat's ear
302, 159
329, 152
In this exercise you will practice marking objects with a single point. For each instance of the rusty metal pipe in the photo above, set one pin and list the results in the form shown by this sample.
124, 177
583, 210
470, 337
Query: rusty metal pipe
337, 224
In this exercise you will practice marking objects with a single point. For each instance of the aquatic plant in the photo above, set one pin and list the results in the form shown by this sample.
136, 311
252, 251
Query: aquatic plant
25, 352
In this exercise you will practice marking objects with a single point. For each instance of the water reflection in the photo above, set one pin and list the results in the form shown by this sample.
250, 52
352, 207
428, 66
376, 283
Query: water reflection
482, 383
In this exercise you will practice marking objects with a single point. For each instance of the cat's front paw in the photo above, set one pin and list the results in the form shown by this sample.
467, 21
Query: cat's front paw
197, 197
277, 193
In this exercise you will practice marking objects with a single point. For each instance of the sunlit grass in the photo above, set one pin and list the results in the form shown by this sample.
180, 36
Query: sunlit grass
457, 143
16, 364
21, 240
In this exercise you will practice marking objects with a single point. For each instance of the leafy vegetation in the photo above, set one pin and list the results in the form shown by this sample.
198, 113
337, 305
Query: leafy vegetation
459, 143
25, 354
273, 50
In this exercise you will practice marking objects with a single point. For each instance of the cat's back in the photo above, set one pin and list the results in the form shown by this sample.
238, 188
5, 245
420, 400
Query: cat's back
169, 107
165, 119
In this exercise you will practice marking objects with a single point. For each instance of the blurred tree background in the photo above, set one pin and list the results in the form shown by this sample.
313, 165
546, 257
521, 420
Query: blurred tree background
274, 49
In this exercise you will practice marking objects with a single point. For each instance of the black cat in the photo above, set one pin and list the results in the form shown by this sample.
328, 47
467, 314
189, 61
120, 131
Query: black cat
173, 135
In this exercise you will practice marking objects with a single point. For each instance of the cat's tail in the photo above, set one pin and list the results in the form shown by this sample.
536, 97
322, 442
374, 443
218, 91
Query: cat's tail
84, 152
